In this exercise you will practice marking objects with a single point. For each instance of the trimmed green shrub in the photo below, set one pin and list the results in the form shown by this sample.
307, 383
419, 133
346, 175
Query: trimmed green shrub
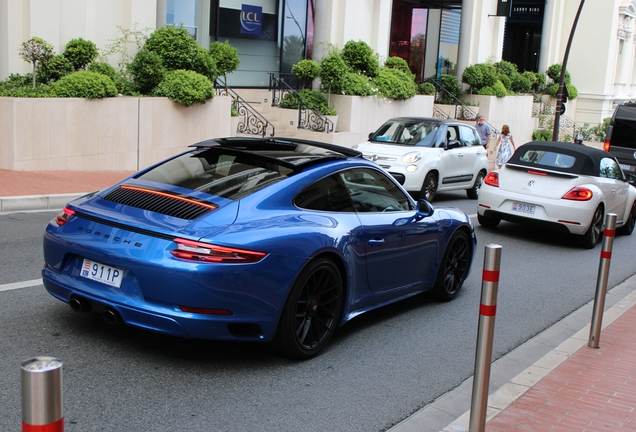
505, 80
361, 58
204, 64
530, 76
84, 84
450, 84
26, 91
80, 52
506, 68
353, 84
553, 89
313, 98
554, 73
497, 89
542, 135
225, 56
426, 88
174, 45
54, 69
539, 79
400, 64
185, 87
395, 84
106, 69
473, 76
147, 71
306, 70
332, 69
521, 84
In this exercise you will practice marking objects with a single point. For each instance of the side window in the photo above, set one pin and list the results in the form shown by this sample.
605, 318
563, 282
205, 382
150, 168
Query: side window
451, 133
468, 136
327, 194
610, 169
373, 191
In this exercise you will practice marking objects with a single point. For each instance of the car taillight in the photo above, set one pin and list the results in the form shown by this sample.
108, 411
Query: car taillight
492, 179
579, 194
197, 251
541, 173
606, 145
64, 216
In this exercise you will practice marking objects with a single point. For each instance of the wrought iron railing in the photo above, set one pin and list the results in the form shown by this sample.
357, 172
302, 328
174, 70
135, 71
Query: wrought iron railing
308, 115
251, 122
545, 111
461, 111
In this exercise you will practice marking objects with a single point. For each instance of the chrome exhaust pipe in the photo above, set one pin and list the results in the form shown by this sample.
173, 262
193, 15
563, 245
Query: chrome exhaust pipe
79, 304
111, 316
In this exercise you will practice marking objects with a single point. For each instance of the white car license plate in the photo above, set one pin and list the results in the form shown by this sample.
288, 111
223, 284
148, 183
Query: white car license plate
523, 208
627, 167
102, 273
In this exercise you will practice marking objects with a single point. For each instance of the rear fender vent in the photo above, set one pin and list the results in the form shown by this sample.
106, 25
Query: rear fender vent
160, 202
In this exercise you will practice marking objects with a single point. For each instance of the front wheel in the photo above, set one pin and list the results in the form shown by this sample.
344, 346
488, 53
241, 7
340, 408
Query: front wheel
595, 231
429, 187
628, 228
454, 267
312, 311
473, 192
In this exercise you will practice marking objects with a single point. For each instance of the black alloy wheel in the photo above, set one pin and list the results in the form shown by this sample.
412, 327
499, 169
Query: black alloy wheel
454, 267
595, 231
473, 192
312, 311
429, 187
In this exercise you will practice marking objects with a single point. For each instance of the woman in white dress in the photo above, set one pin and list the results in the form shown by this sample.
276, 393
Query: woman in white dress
505, 146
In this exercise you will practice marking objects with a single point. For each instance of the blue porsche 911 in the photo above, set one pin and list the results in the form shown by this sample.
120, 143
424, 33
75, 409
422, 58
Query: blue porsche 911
271, 240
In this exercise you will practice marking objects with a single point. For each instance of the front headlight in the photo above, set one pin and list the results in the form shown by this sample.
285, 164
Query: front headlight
411, 157
411, 168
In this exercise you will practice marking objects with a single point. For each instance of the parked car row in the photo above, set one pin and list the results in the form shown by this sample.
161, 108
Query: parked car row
282, 241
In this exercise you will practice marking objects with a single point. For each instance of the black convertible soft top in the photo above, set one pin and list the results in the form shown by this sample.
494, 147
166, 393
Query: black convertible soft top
587, 158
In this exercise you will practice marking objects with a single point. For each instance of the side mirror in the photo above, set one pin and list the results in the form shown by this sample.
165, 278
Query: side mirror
631, 179
424, 209
452, 144
370, 135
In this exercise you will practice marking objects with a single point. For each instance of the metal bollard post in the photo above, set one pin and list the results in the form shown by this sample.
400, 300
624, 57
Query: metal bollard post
41, 379
485, 333
601, 281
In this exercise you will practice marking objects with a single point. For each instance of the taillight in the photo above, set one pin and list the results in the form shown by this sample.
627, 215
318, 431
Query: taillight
579, 194
64, 216
197, 251
541, 173
606, 145
492, 179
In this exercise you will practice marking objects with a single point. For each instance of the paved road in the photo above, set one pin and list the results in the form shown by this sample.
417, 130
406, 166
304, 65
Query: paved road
380, 368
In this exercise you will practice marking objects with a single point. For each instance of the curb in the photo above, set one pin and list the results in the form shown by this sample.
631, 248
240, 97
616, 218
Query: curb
37, 202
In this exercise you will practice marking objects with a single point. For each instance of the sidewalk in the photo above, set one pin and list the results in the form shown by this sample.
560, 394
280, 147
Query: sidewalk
553, 382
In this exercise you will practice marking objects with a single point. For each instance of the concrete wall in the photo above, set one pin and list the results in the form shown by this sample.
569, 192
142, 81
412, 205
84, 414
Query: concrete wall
124, 133
515, 111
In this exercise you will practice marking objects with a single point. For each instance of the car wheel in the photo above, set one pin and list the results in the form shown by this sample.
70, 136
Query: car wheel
429, 187
628, 228
488, 222
312, 311
454, 267
595, 231
473, 192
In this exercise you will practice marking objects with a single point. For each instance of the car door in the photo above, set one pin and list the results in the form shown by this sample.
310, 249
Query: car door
400, 250
475, 157
457, 161
614, 187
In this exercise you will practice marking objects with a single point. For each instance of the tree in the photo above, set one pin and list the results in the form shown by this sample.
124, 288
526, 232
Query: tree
36, 50
226, 58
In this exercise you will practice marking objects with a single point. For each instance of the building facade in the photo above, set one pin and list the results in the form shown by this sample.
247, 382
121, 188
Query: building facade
434, 36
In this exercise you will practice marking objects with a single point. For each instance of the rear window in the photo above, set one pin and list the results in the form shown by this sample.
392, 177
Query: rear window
548, 159
219, 172
624, 134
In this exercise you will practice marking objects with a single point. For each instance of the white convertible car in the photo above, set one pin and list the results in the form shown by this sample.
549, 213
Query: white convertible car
560, 186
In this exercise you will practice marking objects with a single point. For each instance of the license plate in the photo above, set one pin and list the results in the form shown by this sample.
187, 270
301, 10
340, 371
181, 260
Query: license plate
523, 208
627, 167
102, 273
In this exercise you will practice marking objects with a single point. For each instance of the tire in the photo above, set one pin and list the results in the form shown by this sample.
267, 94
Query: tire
628, 228
453, 268
488, 222
312, 311
473, 192
429, 187
595, 231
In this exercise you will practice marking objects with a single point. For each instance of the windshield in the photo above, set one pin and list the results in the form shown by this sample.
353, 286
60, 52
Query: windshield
407, 132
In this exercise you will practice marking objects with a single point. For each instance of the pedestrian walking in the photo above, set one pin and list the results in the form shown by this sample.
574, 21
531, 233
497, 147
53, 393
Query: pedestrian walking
505, 146
483, 130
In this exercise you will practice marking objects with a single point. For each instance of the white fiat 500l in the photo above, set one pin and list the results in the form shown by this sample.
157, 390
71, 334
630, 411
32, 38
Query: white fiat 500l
560, 186
428, 155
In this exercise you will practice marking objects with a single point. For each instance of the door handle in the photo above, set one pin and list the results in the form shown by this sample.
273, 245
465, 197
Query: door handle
376, 242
